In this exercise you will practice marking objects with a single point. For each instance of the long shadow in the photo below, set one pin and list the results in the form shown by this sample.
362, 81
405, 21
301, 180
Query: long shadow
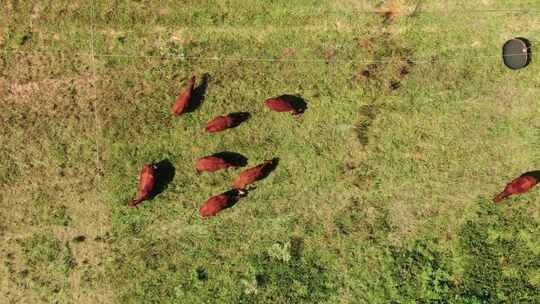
199, 94
164, 174
238, 118
298, 103
268, 169
232, 158
235, 196
535, 174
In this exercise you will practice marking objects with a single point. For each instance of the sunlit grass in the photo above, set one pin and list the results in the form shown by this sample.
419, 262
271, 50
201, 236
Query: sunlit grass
382, 193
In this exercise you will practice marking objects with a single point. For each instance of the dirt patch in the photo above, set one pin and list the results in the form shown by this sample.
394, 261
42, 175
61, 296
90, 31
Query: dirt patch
390, 65
289, 52
367, 115
52, 98
24, 91
44, 88
366, 73
329, 53
389, 10
386, 73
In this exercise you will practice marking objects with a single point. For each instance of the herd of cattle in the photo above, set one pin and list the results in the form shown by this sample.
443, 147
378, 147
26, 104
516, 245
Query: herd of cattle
215, 162
283, 103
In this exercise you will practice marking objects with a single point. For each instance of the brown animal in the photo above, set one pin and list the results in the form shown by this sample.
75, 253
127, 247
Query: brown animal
279, 104
146, 185
212, 164
182, 101
221, 123
251, 175
520, 185
219, 202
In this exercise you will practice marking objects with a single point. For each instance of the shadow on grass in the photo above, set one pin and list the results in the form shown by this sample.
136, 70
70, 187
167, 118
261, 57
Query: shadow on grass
238, 118
164, 174
234, 158
297, 102
535, 174
268, 169
235, 195
199, 94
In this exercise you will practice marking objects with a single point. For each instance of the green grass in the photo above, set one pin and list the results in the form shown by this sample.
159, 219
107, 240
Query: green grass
382, 193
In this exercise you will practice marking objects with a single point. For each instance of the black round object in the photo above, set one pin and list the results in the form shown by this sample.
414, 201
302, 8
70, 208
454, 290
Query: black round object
517, 53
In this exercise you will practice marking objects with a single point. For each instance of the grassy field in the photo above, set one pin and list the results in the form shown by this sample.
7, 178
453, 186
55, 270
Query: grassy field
383, 190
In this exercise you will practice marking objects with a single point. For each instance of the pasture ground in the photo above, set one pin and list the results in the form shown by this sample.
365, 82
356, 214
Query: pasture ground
383, 190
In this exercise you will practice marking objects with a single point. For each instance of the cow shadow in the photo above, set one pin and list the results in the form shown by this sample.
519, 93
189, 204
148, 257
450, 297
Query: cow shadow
269, 169
234, 158
235, 195
164, 175
535, 174
238, 118
297, 102
199, 94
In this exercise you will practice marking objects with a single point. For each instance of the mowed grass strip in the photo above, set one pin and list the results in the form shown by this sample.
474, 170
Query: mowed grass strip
52, 220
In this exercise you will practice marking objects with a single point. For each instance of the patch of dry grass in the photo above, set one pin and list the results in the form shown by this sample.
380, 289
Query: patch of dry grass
48, 177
